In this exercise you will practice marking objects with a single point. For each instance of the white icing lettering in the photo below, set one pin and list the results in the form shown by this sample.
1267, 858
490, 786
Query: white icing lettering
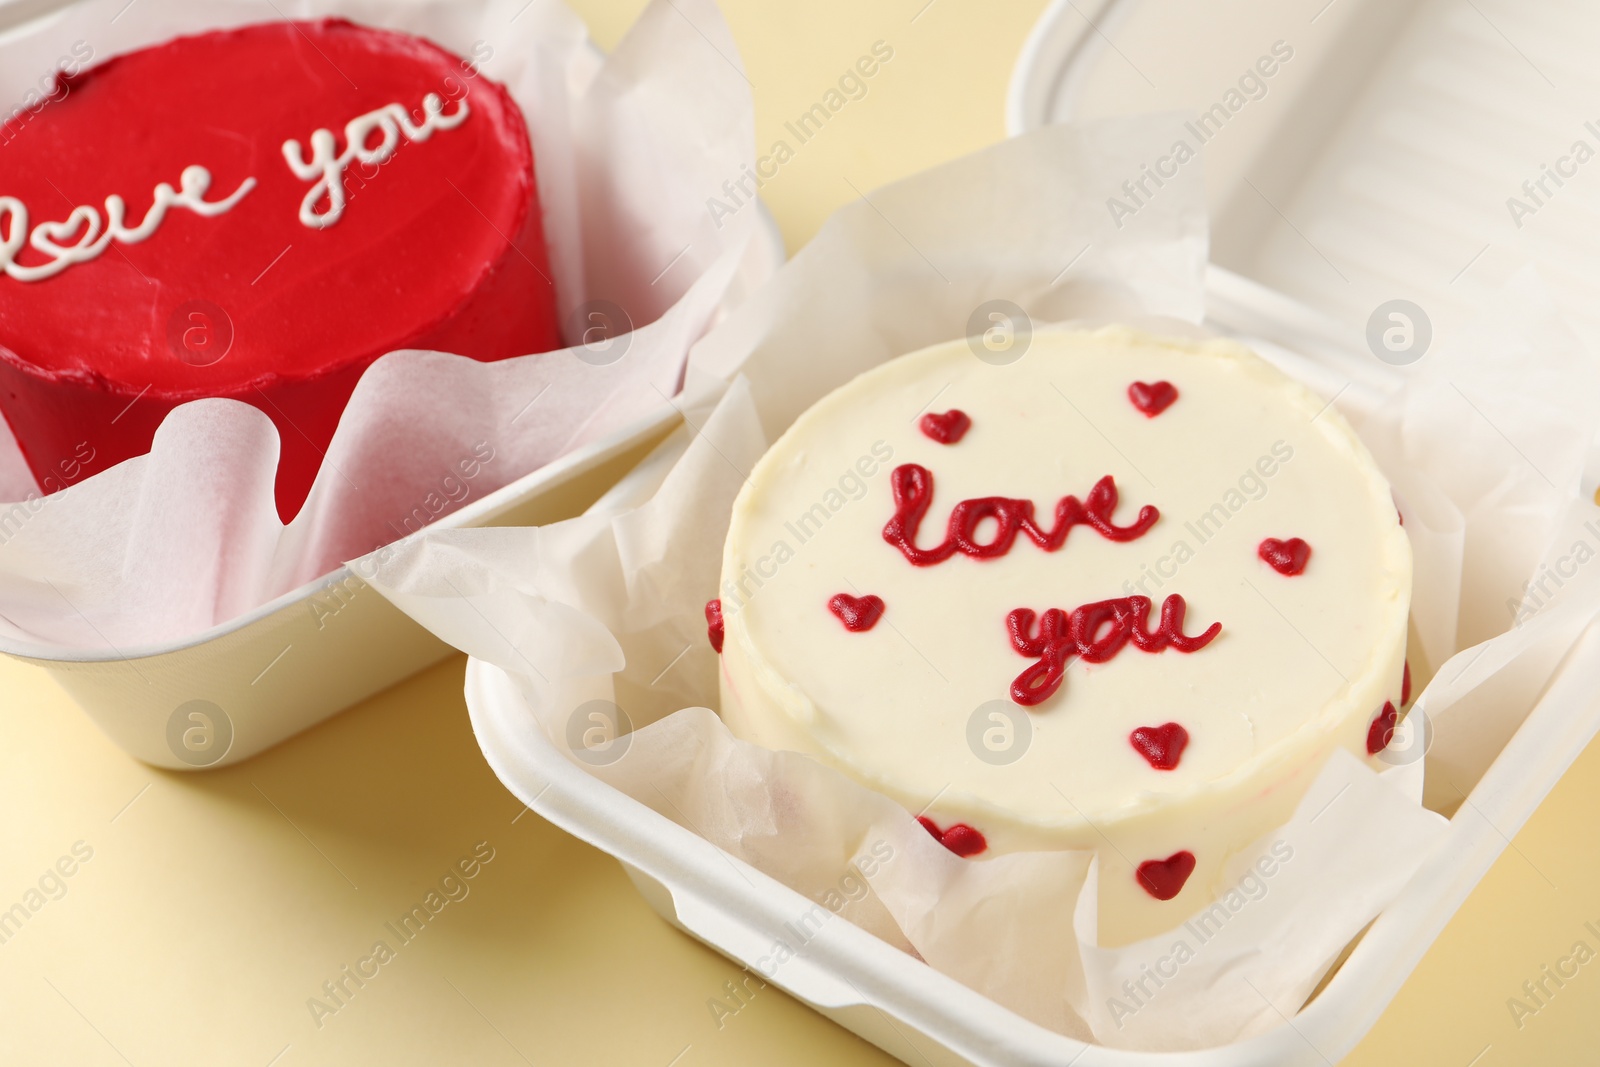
327, 165
94, 235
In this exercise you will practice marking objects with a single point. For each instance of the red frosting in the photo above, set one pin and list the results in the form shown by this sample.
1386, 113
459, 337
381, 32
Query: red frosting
441, 247
960, 838
1152, 398
948, 428
912, 486
1405, 685
715, 631
1381, 731
1096, 632
1164, 879
1161, 745
1286, 557
857, 613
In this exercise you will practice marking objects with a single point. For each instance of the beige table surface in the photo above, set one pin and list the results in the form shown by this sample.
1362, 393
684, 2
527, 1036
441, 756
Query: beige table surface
212, 907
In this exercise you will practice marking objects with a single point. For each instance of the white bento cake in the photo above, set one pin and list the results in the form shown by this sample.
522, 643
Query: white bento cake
1122, 594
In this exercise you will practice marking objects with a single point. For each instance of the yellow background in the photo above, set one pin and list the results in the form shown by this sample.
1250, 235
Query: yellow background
216, 904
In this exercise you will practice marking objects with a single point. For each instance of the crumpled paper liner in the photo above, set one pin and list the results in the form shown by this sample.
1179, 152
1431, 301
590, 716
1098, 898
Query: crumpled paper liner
1487, 448
628, 148
609, 605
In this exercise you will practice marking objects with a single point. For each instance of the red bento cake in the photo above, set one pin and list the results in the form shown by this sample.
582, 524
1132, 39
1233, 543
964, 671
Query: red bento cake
257, 213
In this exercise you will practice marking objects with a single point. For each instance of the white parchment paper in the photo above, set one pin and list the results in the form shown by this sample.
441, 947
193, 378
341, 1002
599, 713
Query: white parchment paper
628, 148
607, 607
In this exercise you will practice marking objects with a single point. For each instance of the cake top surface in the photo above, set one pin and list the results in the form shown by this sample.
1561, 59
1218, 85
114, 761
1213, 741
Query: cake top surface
894, 561
221, 150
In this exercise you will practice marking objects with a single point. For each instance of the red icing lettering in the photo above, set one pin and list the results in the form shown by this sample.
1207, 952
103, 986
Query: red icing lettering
948, 428
1163, 879
959, 838
857, 613
1095, 632
1286, 557
1152, 398
1381, 732
912, 487
714, 627
1161, 745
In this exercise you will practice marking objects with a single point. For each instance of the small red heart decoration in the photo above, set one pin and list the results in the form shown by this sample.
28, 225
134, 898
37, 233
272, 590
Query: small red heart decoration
948, 428
1163, 879
1152, 398
714, 627
1286, 557
960, 838
1381, 732
1161, 745
857, 613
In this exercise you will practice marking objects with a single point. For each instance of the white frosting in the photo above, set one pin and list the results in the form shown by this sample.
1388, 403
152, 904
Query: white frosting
1301, 666
327, 164
95, 234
